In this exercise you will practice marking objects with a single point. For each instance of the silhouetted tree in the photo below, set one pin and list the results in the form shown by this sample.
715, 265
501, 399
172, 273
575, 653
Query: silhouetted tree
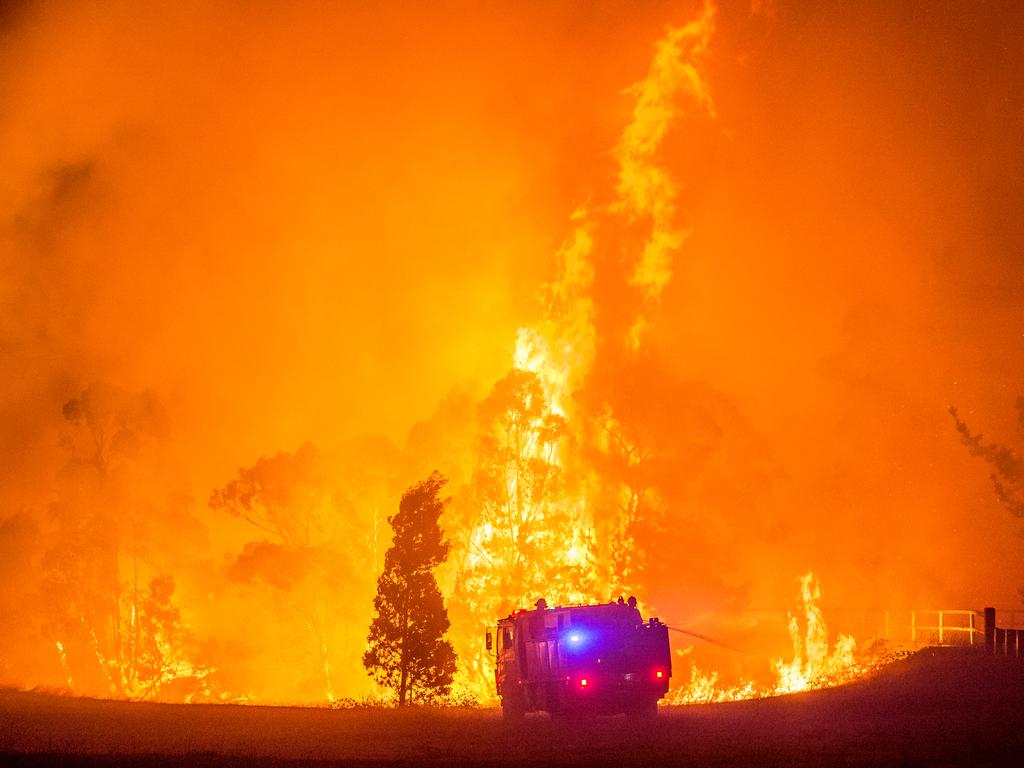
407, 650
285, 496
1008, 466
1008, 474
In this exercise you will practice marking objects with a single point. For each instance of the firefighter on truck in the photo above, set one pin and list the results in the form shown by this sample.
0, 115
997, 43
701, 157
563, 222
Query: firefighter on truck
580, 660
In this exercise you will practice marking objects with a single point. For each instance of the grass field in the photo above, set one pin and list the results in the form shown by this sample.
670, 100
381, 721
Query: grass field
936, 708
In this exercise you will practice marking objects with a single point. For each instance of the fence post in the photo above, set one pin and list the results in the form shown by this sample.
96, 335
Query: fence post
913, 627
1011, 642
990, 630
940, 628
972, 627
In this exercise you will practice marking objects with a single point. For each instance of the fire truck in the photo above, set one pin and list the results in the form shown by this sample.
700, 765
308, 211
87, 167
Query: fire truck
580, 660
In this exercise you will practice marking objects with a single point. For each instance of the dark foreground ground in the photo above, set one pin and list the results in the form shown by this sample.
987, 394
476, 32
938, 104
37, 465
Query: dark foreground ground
937, 708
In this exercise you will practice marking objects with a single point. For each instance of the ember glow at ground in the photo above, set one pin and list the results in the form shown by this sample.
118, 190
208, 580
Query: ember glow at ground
747, 253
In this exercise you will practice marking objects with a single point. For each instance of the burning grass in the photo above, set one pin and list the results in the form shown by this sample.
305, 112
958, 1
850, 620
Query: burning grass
815, 663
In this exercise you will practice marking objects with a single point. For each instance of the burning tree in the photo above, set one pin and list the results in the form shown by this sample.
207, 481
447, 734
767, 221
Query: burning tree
523, 537
161, 661
518, 486
111, 523
315, 540
407, 651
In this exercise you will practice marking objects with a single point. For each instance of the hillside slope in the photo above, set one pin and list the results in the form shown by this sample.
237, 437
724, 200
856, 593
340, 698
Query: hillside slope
936, 708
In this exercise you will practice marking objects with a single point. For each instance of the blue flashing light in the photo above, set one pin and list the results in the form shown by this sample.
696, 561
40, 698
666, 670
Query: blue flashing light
577, 640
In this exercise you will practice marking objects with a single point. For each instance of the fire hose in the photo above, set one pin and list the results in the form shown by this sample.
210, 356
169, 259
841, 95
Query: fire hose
706, 639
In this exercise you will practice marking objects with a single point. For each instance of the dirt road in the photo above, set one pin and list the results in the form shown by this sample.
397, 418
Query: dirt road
939, 708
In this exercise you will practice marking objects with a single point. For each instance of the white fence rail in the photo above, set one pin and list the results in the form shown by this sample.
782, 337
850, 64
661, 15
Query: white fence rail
999, 632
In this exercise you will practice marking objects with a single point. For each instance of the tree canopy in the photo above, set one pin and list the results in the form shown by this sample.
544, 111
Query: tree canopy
407, 651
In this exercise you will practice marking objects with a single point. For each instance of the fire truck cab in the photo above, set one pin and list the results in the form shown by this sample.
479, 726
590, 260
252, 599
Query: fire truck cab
580, 660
